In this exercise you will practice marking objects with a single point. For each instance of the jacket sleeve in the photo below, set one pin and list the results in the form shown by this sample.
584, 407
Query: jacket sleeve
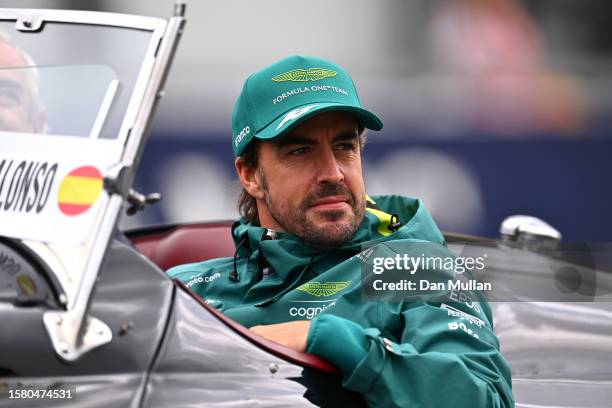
442, 359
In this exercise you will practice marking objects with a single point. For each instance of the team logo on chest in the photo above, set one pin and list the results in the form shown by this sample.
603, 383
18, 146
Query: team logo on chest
320, 289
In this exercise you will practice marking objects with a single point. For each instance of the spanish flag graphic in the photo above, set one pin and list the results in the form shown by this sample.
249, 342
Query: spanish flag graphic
79, 190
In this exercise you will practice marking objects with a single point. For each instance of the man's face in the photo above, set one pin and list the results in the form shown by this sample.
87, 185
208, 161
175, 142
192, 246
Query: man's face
17, 107
312, 181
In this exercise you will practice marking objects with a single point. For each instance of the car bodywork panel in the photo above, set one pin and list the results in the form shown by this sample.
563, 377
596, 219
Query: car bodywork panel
167, 350
129, 290
203, 361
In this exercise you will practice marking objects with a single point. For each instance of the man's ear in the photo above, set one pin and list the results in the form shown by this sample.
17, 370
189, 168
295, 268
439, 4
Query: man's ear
40, 121
249, 178
37, 117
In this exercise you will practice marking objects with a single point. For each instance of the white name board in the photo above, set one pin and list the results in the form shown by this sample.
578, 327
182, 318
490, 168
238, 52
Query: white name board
51, 187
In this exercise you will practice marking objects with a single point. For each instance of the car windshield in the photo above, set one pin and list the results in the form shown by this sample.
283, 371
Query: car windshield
68, 79
71, 83
73, 87
71, 100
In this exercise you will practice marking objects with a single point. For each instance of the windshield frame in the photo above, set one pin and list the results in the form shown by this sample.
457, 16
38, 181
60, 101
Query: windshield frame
72, 331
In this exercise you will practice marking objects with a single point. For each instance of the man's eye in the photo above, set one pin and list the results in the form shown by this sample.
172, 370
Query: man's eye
9, 98
299, 151
347, 146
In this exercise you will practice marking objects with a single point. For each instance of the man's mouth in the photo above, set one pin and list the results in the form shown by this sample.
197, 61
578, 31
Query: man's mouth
330, 203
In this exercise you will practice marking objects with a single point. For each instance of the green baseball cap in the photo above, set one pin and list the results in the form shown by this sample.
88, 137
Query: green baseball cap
277, 98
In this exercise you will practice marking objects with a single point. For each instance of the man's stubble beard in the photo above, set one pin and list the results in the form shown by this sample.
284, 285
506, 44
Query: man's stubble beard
296, 222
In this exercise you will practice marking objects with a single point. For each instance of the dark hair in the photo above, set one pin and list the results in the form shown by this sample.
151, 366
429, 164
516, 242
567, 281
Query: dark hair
247, 205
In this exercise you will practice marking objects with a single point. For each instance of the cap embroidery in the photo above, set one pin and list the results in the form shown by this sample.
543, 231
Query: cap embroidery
305, 75
294, 114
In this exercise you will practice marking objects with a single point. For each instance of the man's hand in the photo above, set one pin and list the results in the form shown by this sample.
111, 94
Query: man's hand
290, 334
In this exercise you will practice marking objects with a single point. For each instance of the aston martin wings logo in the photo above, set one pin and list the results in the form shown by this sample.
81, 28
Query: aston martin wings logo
319, 289
304, 75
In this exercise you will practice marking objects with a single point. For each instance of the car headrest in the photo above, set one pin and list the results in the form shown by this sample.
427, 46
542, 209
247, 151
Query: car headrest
171, 246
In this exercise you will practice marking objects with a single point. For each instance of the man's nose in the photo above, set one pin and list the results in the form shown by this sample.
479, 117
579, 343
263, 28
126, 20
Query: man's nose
329, 169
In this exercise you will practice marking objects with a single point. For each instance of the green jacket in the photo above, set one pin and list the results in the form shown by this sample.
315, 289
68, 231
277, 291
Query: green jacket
403, 354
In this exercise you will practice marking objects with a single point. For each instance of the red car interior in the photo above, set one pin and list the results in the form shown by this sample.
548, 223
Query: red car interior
180, 244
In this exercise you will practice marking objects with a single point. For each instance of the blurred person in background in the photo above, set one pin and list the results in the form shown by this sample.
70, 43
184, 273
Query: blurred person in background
497, 51
20, 105
295, 279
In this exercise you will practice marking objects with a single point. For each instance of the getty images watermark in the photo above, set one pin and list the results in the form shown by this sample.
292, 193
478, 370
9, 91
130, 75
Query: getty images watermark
410, 270
412, 264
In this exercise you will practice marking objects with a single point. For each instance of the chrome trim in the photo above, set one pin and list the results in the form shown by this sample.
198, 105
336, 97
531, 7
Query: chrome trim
26, 23
81, 17
70, 331
68, 336
528, 230
144, 76
61, 325
164, 55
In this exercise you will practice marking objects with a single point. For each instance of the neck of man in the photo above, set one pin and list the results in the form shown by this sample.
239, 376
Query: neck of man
266, 220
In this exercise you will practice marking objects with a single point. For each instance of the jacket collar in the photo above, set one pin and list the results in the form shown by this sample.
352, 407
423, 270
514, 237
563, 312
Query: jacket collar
293, 261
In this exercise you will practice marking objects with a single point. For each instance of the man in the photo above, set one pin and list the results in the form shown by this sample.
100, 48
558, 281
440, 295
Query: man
298, 134
20, 107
